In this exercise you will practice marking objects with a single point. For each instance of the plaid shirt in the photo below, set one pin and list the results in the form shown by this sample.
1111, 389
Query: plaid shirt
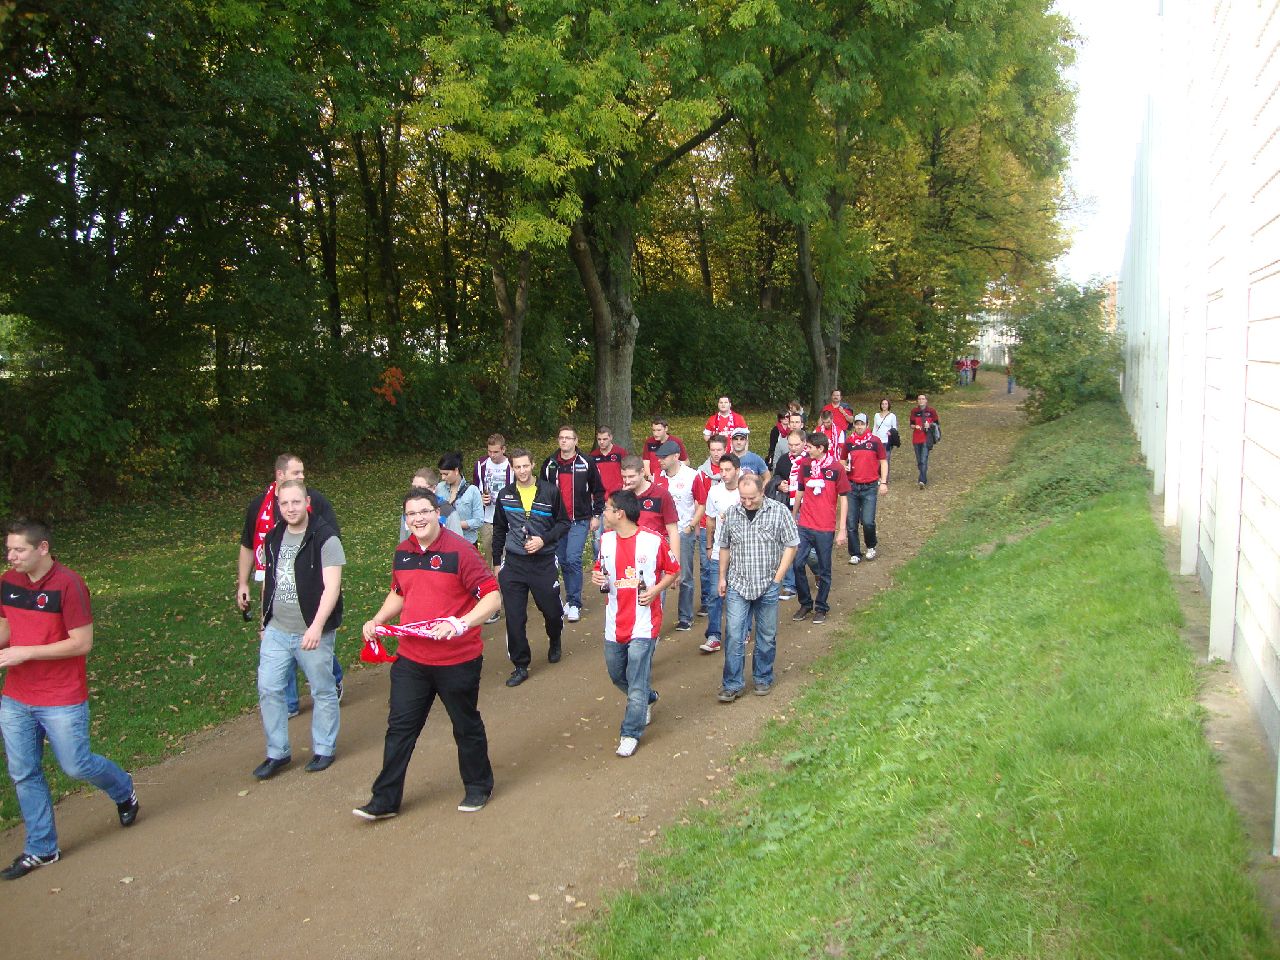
756, 546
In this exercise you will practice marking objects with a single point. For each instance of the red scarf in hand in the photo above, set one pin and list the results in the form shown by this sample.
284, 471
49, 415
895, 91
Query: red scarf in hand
266, 520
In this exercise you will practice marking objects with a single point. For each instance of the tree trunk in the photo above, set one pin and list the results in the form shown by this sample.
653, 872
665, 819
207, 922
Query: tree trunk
811, 320
513, 314
604, 267
379, 202
700, 228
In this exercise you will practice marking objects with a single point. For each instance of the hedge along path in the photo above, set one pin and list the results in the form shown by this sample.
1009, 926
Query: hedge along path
221, 865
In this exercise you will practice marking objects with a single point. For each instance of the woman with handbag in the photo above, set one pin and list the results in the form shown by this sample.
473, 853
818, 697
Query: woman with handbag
886, 428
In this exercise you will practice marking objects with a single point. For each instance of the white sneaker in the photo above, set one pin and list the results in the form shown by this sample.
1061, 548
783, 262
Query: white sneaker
854, 560
871, 553
573, 615
627, 746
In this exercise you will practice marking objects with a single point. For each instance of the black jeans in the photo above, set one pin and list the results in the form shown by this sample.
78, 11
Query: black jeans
518, 579
414, 687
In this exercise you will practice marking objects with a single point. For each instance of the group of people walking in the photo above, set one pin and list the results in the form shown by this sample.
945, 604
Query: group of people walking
754, 526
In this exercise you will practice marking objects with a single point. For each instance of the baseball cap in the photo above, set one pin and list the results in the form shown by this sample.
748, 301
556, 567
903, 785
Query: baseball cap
667, 448
860, 417
739, 432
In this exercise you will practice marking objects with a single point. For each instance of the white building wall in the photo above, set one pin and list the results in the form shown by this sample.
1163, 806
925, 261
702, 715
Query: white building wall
1199, 308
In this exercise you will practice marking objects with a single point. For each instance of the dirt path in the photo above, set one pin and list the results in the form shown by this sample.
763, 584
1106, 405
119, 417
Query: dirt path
220, 865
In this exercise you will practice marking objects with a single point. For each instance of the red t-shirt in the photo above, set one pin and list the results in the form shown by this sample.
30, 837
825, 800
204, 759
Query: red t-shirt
657, 509
628, 561
837, 416
865, 454
651, 458
41, 613
818, 510
610, 467
565, 476
443, 580
920, 419
724, 423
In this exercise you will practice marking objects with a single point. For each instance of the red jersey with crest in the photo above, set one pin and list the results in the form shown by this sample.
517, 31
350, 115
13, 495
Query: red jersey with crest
657, 509
40, 613
442, 580
644, 558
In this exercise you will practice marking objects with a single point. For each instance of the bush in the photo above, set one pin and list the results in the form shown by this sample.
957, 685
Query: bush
1065, 355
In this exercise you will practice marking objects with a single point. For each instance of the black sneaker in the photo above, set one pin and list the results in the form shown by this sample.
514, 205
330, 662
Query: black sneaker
819, 617
370, 812
684, 626
801, 614
497, 615
24, 864
269, 767
128, 810
518, 676
473, 802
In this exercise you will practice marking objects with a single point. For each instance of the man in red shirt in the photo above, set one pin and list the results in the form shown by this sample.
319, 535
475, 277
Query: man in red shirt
724, 421
657, 510
438, 580
868, 478
708, 476
923, 418
634, 567
821, 511
46, 632
608, 459
839, 411
659, 435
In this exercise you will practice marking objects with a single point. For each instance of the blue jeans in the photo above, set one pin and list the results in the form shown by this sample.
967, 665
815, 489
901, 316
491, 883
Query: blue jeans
706, 586
862, 509
569, 552
630, 667
688, 547
715, 602
67, 729
291, 688
764, 611
276, 657
819, 542
922, 460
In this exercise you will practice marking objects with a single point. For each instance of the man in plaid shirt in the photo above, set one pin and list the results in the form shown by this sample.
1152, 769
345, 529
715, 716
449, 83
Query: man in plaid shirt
758, 543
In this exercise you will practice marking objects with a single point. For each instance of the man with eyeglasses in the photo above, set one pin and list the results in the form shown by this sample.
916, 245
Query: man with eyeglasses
529, 524
439, 581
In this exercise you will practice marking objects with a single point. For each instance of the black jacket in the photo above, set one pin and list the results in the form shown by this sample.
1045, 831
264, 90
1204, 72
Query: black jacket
307, 571
512, 526
588, 488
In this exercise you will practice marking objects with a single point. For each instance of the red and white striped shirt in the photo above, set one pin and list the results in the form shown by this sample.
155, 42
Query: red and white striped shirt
644, 558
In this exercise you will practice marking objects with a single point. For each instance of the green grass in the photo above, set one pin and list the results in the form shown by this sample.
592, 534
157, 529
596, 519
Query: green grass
1002, 758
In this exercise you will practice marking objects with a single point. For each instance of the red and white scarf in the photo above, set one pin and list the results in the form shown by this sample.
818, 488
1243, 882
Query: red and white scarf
266, 520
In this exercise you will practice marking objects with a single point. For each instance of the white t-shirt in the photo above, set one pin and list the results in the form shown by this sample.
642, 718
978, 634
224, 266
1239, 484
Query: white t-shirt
491, 477
681, 489
719, 499
884, 422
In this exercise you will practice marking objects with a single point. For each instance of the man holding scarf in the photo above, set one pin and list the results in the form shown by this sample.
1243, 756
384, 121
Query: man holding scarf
821, 511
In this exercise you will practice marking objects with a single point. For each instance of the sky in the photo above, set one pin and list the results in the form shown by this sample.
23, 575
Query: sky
1116, 57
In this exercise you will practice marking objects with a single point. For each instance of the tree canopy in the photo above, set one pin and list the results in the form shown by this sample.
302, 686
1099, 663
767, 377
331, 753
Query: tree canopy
236, 225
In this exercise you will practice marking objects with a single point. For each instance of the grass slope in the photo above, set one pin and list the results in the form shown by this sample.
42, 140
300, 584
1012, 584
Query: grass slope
1002, 758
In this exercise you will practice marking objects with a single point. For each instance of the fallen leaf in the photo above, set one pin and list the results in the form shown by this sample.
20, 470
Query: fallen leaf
126, 879
243, 793
55, 889
235, 899
534, 897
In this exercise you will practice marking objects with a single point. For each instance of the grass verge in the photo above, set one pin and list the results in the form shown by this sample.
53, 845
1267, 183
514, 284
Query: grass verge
1003, 758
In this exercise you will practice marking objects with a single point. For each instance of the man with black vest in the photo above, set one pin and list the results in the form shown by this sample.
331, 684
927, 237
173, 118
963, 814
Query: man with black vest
262, 514
301, 612
528, 525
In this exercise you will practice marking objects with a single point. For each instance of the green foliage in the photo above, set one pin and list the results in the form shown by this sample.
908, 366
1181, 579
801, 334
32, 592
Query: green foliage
1003, 757
1065, 355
